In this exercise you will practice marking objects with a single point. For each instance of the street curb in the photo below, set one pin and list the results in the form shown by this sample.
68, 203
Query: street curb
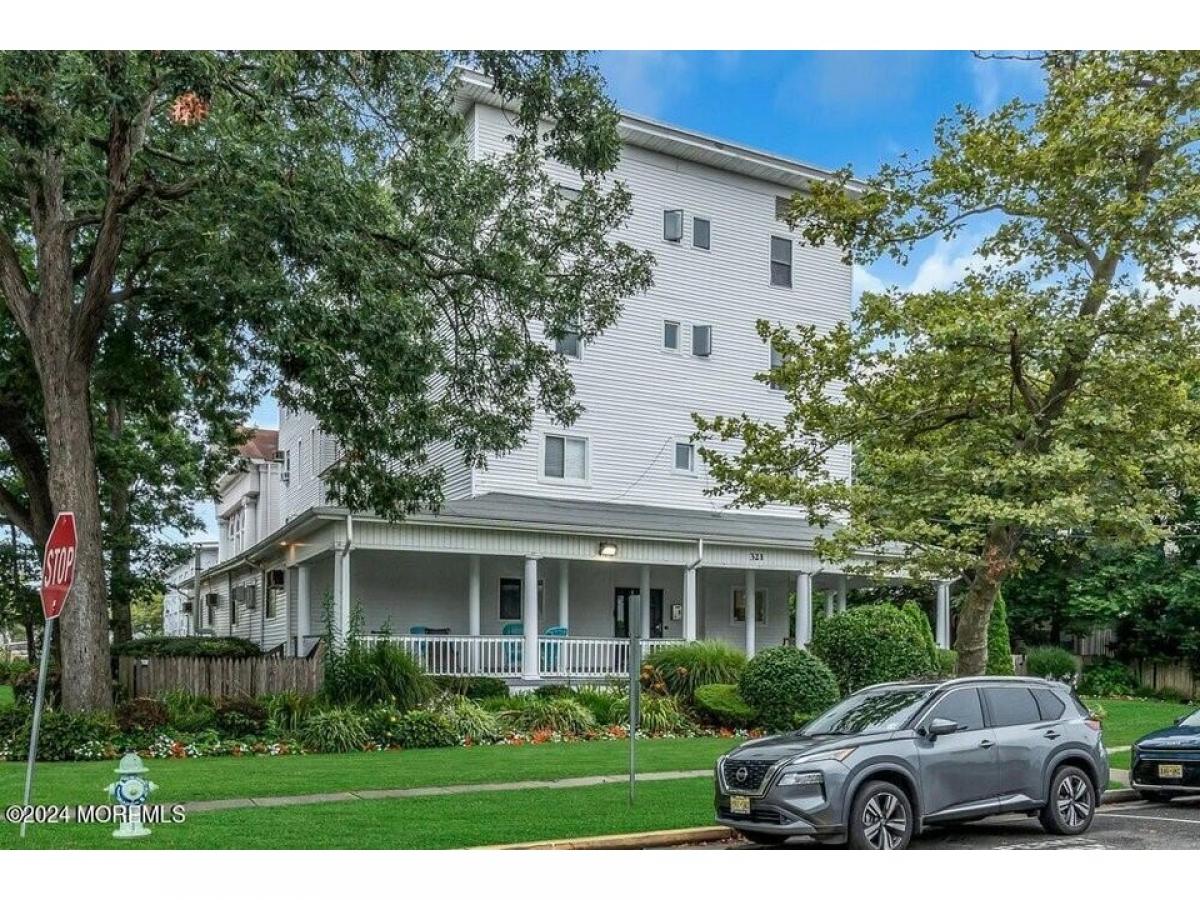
637, 841
1120, 795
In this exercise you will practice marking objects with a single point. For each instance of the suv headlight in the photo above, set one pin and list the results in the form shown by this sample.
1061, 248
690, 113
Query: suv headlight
790, 779
826, 756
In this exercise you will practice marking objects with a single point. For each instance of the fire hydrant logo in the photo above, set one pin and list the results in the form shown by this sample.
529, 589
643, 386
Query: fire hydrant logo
130, 790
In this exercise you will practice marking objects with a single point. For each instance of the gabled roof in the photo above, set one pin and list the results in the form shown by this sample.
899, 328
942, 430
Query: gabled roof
263, 443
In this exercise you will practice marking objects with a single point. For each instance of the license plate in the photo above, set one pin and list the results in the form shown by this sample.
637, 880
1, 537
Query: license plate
1170, 771
739, 805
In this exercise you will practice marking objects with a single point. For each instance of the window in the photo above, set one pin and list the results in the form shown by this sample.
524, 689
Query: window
270, 601
285, 469
782, 205
760, 605
210, 608
1011, 706
685, 457
673, 225
776, 364
235, 597
569, 345
569, 194
781, 262
960, 706
510, 598
670, 335
701, 340
565, 457
701, 229
1051, 707
312, 451
299, 459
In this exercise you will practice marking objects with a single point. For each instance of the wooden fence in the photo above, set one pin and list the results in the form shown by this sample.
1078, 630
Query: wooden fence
1175, 676
213, 677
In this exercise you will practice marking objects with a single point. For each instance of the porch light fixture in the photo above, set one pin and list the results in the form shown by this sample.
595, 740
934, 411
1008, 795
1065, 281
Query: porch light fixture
607, 549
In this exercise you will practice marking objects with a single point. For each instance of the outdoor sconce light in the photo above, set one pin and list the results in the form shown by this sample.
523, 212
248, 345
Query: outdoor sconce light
608, 550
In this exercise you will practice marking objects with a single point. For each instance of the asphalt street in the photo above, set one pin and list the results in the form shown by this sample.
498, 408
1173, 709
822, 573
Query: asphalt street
1120, 826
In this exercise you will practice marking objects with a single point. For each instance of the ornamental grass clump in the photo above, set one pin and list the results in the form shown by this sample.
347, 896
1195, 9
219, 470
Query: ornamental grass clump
682, 668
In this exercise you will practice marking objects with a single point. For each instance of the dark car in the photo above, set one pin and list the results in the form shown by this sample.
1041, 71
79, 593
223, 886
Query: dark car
1166, 763
890, 759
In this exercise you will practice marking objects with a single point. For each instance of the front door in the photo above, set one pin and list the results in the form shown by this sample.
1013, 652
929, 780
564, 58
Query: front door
621, 612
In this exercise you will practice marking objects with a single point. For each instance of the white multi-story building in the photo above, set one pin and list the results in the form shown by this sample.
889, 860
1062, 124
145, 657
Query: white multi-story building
529, 568
180, 585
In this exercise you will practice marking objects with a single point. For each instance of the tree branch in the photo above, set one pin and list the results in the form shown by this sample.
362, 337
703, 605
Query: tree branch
15, 283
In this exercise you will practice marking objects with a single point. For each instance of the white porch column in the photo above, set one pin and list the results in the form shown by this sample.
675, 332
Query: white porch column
645, 593
751, 612
473, 608
341, 604
689, 604
529, 619
303, 606
942, 628
564, 593
842, 590
250, 524
803, 608
829, 604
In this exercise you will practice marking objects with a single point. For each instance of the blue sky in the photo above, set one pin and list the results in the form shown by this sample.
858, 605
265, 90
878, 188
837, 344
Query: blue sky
828, 108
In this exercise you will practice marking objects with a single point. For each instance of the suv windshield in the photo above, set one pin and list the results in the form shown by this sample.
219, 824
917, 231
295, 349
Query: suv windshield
1193, 720
870, 712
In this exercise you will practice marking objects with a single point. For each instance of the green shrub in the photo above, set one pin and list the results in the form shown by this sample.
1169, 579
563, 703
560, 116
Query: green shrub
565, 715
684, 667
469, 721
999, 658
473, 687
238, 717
382, 723
1108, 678
287, 711
554, 690
13, 668
659, 714
920, 621
945, 662
143, 714
62, 734
162, 645
334, 731
788, 685
13, 720
867, 645
599, 702
1173, 695
424, 728
1050, 662
380, 672
722, 705
188, 712
24, 686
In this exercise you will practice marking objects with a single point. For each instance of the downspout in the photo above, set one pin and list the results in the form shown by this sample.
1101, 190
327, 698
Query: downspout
695, 564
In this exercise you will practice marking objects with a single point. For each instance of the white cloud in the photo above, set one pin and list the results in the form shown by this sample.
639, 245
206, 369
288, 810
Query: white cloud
864, 282
945, 266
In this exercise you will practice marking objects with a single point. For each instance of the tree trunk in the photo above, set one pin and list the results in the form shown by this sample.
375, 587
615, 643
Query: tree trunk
975, 613
86, 678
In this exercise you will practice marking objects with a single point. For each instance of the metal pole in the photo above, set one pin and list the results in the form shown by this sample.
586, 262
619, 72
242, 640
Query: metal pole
635, 684
37, 717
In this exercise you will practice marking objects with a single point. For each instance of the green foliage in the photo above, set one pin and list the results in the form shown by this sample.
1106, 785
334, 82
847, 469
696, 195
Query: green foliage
425, 728
188, 712
334, 731
722, 705
945, 662
1049, 391
473, 687
61, 734
657, 715
238, 717
867, 645
12, 668
1050, 662
287, 711
469, 721
686, 666
554, 690
788, 685
913, 612
364, 673
999, 655
233, 647
599, 702
565, 715
142, 714
24, 686
1108, 678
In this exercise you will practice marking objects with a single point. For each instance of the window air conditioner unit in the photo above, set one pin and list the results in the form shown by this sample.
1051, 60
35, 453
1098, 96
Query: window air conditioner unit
187, 606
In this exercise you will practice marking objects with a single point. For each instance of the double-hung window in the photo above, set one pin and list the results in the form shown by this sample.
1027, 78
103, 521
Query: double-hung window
565, 457
781, 262
685, 457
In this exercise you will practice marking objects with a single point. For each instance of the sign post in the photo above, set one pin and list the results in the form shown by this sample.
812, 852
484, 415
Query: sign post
634, 617
58, 574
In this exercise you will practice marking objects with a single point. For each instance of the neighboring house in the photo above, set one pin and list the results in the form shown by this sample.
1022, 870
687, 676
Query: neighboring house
561, 533
181, 585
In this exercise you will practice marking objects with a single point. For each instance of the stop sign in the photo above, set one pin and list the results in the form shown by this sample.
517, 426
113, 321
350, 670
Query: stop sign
58, 570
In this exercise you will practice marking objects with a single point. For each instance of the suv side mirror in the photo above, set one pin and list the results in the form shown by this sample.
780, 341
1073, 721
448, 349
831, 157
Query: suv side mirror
941, 726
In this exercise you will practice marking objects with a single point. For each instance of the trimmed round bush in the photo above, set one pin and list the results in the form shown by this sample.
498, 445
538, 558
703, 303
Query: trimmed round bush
722, 705
1050, 662
335, 731
788, 686
867, 645
420, 728
239, 717
684, 667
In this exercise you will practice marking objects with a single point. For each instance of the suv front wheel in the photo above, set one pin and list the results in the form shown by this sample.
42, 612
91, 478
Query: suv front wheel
881, 818
1072, 802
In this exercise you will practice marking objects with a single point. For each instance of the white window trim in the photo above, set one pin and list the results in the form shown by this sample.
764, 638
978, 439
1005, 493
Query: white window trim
662, 337
692, 238
543, 478
761, 598
685, 473
791, 265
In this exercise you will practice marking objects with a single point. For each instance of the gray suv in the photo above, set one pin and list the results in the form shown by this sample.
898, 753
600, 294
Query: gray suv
891, 759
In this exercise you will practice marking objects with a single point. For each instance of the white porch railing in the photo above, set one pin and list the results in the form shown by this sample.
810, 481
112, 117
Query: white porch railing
503, 655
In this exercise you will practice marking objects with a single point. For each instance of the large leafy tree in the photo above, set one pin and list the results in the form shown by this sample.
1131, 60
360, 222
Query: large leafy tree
1049, 391
318, 213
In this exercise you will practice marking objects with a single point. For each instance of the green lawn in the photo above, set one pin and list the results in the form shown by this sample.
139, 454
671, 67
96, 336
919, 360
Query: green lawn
1128, 720
181, 780
1119, 760
6, 695
411, 823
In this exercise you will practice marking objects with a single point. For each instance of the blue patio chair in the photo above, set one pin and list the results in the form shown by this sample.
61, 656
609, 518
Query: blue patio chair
512, 655
550, 651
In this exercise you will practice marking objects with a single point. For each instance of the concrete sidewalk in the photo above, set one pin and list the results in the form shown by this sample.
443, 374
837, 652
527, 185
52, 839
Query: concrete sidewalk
433, 791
